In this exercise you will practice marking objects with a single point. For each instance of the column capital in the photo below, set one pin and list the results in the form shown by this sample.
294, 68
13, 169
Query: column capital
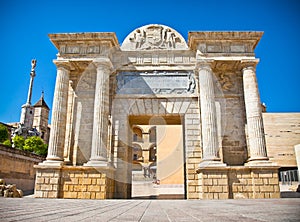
248, 64
103, 62
204, 63
63, 64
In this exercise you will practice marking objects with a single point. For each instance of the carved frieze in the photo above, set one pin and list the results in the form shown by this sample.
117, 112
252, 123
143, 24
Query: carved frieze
145, 58
156, 82
154, 37
84, 49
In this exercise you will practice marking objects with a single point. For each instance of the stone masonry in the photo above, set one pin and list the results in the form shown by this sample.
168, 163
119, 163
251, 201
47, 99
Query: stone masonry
75, 183
207, 85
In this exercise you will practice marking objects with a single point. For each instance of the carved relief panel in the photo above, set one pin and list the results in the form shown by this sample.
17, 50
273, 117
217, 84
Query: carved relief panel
154, 37
156, 82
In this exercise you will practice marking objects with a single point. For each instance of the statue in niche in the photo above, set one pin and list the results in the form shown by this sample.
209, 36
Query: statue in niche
191, 83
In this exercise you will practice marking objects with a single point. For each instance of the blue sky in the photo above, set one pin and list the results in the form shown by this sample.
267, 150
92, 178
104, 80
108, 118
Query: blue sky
25, 26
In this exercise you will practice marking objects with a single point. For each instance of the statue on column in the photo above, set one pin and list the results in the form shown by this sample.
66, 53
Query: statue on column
33, 65
23, 129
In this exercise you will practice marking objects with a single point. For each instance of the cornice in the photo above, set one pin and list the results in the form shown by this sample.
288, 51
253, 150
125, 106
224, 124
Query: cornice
84, 43
234, 39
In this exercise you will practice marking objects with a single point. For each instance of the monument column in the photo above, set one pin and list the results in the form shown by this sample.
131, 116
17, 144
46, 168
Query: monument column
208, 115
101, 115
59, 114
256, 138
27, 113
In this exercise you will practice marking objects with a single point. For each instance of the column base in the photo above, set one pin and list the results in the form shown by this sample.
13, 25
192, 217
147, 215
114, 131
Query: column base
55, 163
96, 163
211, 163
260, 163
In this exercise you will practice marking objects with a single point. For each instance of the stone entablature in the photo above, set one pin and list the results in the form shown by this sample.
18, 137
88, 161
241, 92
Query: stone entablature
224, 43
88, 44
209, 85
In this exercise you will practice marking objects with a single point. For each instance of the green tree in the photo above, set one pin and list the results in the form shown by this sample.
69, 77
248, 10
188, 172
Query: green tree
35, 144
3, 133
7, 143
19, 142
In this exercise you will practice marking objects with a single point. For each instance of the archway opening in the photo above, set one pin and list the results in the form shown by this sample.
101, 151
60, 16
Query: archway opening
158, 169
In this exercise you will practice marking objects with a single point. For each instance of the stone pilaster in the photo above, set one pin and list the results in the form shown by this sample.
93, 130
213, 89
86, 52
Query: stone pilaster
101, 112
208, 115
59, 115
256, 138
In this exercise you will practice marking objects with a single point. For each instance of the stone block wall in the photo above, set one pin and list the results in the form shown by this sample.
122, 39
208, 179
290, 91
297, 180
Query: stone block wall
16, 167
47, 183
237, 183
75, 182
193, 151
282, 132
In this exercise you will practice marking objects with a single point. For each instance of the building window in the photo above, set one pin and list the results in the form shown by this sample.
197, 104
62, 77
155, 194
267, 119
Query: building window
137, 153
152, 135
152, 154
135, 137
137, 134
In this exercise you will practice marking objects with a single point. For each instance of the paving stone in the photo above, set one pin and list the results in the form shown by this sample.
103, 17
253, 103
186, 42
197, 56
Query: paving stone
31, 209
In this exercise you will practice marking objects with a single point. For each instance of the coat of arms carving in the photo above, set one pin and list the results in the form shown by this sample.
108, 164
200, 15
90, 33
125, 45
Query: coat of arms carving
154, 37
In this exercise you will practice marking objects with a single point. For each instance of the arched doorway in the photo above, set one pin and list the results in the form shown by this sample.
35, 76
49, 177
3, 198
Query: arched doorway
162, 158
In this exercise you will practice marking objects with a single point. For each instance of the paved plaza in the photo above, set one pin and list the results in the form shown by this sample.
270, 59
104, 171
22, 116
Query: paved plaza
32, 209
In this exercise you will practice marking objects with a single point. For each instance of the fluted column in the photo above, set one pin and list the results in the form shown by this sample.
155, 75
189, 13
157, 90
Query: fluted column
256, 138
59, 114
208, 115
100, 120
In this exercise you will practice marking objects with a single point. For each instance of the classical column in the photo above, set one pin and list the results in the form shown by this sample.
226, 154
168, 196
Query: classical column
100, 120
256, 138
208, 116
59, 114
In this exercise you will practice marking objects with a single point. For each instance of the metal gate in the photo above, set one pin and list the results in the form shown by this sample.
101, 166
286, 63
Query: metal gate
289, 176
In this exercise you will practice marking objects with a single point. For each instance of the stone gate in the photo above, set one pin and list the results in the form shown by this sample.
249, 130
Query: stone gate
206, 86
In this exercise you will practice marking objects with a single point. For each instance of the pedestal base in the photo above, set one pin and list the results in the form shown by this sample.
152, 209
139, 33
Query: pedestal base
76, 182
239, 182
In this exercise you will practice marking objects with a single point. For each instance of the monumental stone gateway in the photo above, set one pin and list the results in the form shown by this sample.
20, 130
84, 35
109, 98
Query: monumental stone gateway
206, 85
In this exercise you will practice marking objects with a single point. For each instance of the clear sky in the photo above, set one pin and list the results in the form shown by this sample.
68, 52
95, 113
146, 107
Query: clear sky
25, 25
